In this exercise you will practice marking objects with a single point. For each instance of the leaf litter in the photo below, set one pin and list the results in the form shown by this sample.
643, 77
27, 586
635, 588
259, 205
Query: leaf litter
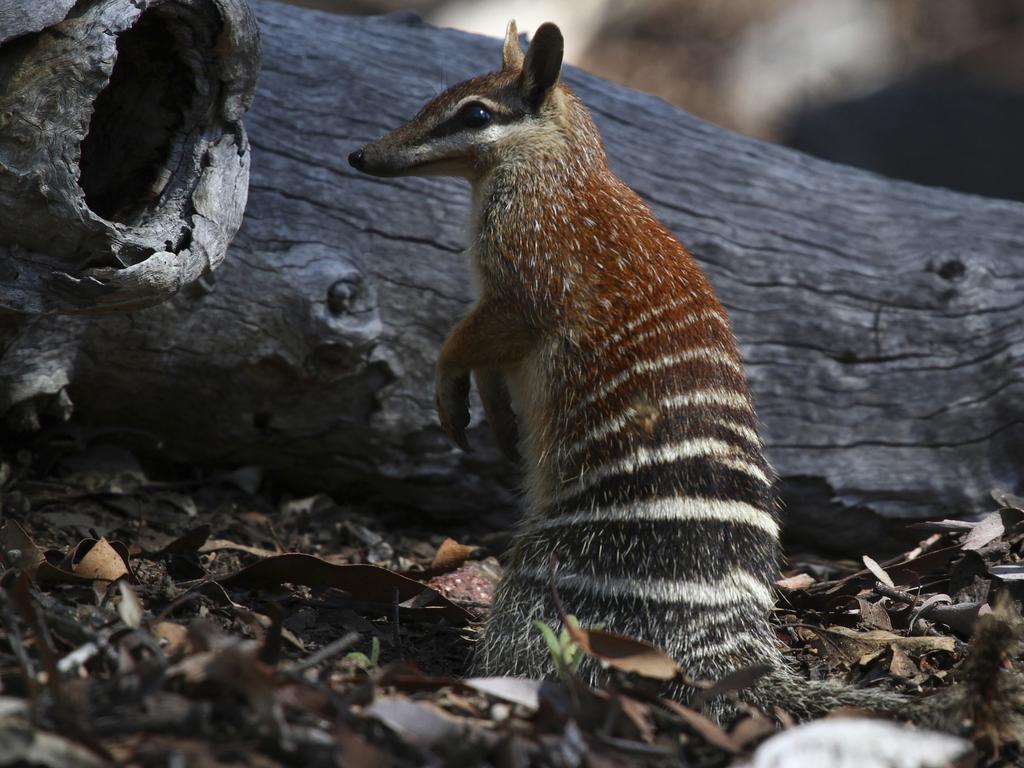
208, 619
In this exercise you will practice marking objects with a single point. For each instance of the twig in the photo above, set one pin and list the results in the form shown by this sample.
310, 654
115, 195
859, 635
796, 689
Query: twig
277, 539
72, 661
330, 650
33, 616
552, 568
635, 747
270, 653
396, 632
895, 594
15, 641
187, 596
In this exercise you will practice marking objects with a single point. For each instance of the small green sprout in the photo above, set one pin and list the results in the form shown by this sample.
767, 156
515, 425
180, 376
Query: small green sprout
564, 650
360, 659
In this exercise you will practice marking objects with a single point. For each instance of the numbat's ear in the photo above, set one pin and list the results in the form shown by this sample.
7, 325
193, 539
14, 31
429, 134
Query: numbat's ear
511, 53
542, 65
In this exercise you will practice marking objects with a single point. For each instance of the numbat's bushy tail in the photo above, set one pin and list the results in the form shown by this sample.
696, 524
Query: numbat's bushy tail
645, 474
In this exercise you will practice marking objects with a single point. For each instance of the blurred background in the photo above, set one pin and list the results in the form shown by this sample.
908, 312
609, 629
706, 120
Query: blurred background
931, 91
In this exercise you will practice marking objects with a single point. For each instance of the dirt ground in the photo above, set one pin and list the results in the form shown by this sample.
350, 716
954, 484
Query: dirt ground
155, 614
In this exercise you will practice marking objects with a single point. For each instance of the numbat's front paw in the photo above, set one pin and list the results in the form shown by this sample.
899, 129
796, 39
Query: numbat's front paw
452, 401
497, 404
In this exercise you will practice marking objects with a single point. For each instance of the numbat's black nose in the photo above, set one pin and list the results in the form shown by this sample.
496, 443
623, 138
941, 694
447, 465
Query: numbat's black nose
356, 159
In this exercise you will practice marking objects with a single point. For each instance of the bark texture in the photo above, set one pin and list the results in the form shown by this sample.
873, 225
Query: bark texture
123, 162
882, 323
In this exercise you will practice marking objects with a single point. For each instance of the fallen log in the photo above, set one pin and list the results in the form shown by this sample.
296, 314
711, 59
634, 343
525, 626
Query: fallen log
881, 322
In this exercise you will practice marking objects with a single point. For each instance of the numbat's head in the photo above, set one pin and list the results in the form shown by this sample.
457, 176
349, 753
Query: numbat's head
517, 113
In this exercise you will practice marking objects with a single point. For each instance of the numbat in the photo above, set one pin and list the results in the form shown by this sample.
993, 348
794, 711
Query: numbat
597, 332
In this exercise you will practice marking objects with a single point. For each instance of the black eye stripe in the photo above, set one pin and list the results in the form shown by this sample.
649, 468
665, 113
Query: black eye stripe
455, 124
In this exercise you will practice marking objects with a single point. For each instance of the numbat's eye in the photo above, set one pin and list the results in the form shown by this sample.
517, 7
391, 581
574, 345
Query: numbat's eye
475, 115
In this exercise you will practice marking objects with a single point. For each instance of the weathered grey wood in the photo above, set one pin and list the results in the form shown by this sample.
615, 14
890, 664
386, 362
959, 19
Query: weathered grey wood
881, 322
22, 17
123, 163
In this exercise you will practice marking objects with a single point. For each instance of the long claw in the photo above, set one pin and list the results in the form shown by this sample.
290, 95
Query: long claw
452, 400
494, 395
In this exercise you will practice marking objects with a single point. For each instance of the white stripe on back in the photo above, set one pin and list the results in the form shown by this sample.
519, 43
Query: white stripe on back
703, 447
710, 354
699, 397
675, 508
642, 318
734, 642
670, 328
742, 430
736, 587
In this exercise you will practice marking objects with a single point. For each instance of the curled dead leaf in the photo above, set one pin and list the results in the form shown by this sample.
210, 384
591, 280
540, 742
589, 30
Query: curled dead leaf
449, 556
878, 571
797, 581
853, 646
173, 637
18, 550
707, 728
129, 608
625, 654
371, 583
101, 562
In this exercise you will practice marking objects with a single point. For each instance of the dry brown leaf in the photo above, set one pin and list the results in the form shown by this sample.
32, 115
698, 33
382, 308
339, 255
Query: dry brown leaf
854, 646
518, 690
737, 680
216, 545
901, 664
18, 549
878, 571
751, 729
874, 614
174, 637
422, 724
190, 541
101, 562
51, 574
1008, 500
625, 654
638, 714
709, 730
911, 570
797, 581
129, 608
359, 753
370, 583
923, 643
449, 556
870, 656
984, 531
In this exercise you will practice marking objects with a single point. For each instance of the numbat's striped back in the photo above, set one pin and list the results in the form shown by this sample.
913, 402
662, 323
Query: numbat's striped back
646, 476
